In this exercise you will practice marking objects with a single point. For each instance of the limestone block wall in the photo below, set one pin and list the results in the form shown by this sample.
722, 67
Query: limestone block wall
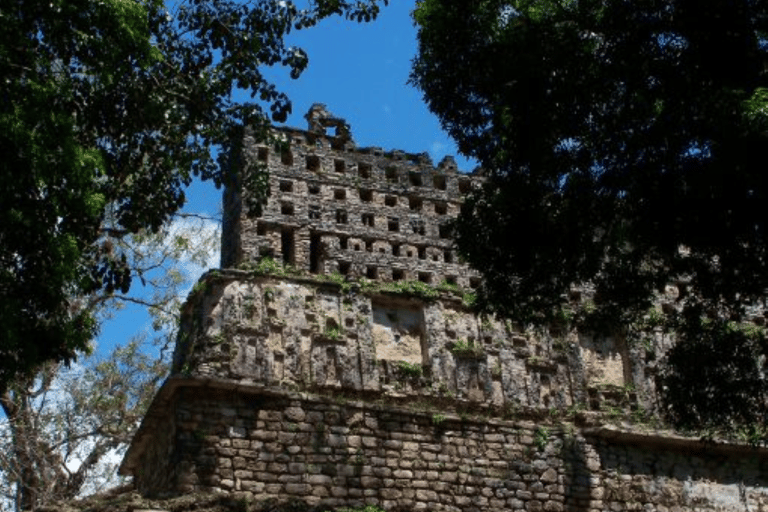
270, 444
665, 474
307, 334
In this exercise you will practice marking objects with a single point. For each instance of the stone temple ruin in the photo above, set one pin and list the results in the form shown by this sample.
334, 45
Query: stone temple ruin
335, 358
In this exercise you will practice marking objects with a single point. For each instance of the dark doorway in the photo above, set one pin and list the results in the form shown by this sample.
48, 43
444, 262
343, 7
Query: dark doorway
287, 246
314, 253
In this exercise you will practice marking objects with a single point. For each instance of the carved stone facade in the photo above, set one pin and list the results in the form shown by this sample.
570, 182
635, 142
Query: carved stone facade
336, 358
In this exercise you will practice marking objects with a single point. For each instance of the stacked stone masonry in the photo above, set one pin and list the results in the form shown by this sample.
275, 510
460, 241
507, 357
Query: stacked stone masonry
271, 444
335, 208
350, 368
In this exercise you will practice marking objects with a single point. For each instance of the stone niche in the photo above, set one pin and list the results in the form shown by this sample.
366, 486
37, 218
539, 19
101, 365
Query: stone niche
398, 332
605, 359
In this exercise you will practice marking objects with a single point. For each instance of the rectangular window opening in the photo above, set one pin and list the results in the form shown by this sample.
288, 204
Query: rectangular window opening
372, 273
395, 249
339, 165
314, 212
286, 157
286, 186
398, 274
263, 154
425, 277
391, 174
341, 216
439, 182
390, 201
414, 178
344, 267
393, 224
417, 226
339, 194
313, 188
441, 208
465, 185
367, 219
313, 163
366, 195
286, 246
286, 208
364, 170
415, 203
314, 253
422, 253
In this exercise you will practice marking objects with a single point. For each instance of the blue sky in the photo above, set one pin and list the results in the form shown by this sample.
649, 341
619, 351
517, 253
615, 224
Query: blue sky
359, 70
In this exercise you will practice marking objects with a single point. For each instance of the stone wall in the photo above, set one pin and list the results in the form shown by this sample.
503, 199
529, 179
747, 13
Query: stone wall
337, 208
304, 333
270, 444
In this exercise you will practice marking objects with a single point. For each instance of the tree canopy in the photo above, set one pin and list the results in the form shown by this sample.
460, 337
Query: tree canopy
107, 111
623, 144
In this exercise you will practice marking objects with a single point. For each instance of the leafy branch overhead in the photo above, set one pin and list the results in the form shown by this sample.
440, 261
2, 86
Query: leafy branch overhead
624, 144
108, 110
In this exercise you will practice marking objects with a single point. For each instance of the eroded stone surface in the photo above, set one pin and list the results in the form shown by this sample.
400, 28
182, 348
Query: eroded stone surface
308, 334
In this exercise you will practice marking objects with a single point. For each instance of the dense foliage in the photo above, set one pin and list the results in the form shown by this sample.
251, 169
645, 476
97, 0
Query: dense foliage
624, 145
107, 111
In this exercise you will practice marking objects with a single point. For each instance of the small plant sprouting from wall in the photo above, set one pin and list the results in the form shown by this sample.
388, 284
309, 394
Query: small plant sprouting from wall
336, 277
412, 288
249, 306
541, 438
332, 332
496, 370
469, 299
449, 287
464, 348
200, 287
268, 266
412, 370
